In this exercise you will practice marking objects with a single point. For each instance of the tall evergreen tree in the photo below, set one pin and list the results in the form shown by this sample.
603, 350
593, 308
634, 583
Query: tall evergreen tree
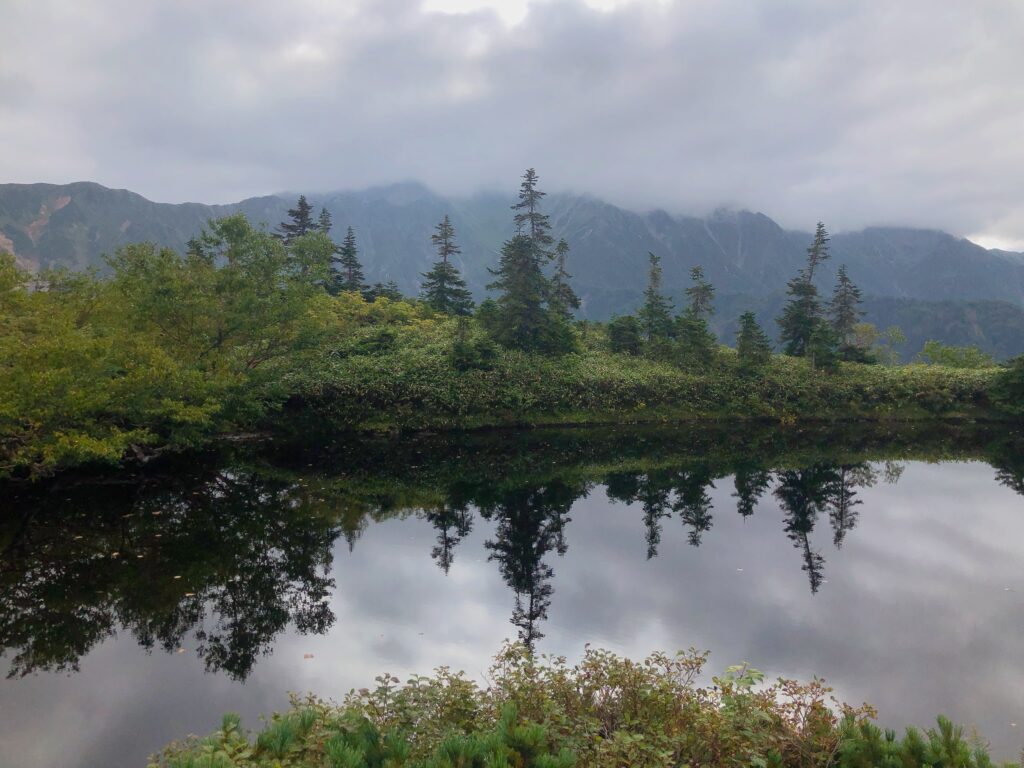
753, 348
845, 312
656, 312
348, 272
696, 344
522, 319
563, 298
801, 317
529, 221
818, 251
443, 288
301, 222
701, 293
324, 222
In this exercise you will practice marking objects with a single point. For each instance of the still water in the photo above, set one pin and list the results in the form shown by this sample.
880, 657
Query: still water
135, 609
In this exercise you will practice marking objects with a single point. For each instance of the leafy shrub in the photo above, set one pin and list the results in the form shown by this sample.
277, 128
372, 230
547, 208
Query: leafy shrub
605, 712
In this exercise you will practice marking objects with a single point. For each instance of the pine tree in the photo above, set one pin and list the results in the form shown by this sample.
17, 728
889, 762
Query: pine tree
818, 251
388, 290
324, 223
563, 298
348, 272
844, 311
753, 348
443, 288
802, 314
624, 335
522, 319
701, 293
656, 313
529, 220
695, 344
301, 222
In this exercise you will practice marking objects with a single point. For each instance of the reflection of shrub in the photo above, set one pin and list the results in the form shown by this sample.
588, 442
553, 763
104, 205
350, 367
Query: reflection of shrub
605, 712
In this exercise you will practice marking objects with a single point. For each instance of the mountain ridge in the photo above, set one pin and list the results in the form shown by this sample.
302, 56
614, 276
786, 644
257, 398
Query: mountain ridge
742, 252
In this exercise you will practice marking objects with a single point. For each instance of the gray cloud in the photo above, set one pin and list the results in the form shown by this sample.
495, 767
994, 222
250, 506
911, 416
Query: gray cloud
856, 113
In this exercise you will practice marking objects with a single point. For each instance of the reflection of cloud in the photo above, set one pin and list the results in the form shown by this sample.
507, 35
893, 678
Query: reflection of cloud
848, 112
914, 617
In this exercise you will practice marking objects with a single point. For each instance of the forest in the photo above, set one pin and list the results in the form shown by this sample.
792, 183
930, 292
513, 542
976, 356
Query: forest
252, 332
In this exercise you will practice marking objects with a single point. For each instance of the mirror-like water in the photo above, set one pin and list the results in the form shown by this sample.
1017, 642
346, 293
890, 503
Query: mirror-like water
135, 609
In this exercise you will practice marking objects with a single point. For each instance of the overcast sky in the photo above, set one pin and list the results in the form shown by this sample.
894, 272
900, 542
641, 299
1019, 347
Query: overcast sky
854, 112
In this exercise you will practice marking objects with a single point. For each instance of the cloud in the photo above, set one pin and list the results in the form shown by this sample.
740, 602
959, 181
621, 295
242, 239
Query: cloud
853, 113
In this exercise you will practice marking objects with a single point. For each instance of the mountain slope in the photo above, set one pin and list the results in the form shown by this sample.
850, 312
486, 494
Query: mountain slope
742, 253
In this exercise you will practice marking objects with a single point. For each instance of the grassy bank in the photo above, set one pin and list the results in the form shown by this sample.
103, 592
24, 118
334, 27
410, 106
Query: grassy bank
173, 352
605, 711
414, 385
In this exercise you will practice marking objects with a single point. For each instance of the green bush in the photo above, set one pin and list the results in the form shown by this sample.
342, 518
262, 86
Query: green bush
604, 712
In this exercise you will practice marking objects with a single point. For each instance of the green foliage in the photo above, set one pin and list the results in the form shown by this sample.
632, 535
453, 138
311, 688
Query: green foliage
348, 272
695, 345
522, 318
301, 222
845, 313
701, 294
388, 290
656, 312
753, 348
802, 315
563, 298
876, 345
604, 712
624, 336
937, 353
1008, 387
443, 288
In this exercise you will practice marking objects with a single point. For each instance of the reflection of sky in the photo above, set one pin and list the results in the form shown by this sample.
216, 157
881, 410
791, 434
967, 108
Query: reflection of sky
915, 617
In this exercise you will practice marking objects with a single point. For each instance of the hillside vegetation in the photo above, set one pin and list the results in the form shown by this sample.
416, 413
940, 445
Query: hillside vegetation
248, 330
929, 283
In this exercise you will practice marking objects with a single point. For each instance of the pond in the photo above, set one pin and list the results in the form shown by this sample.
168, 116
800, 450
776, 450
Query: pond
136, 607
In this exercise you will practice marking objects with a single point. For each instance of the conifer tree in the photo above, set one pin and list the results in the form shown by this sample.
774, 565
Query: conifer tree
656, 312
696, 344
388, 290
522, 319
845, 313
443, 288
301, 222
563, 298
624, 335
348, 272
753, 348
701, 293
324, 222
529, 221
803, 313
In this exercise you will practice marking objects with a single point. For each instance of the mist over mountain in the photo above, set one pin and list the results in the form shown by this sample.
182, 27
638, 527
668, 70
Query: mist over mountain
931, 283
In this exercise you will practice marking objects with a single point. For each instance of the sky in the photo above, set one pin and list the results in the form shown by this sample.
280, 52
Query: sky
855, 113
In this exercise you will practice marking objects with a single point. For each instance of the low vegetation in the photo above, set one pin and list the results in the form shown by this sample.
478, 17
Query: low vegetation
248, 329
605, 711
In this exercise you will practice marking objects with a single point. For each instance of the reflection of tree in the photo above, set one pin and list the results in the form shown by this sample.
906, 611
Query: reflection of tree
530, 523
231, 559
652, 491
663, 491
693, 503
751, 483
843, 501
803, 493
453, 524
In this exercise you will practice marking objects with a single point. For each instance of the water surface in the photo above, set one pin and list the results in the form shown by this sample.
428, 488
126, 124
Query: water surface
136, 608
